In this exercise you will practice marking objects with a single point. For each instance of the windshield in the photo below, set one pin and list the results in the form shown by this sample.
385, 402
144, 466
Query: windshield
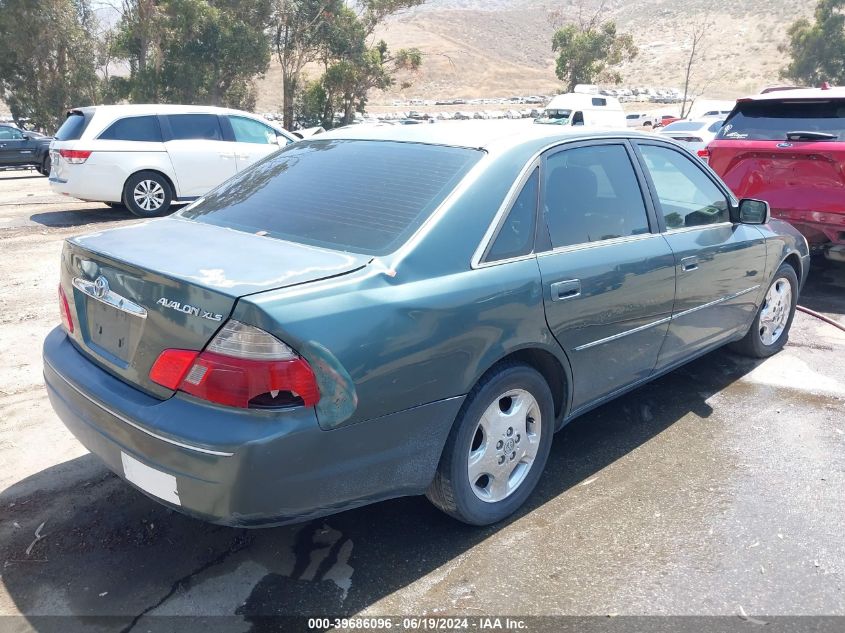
360, 196
773, 120
684, 126
559, 116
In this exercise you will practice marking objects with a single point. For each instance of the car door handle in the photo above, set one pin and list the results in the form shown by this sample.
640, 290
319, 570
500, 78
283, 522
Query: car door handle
224, 155
688, 264
563, 290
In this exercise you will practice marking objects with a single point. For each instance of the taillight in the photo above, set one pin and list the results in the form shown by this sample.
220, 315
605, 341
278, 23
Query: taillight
75, 156
64, 309
704, 154
243, 366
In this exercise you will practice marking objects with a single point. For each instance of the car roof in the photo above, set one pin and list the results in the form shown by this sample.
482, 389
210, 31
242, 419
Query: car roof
798, 94
497, 135
157, 108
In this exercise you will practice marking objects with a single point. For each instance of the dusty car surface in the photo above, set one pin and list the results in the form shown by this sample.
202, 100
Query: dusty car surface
398, 310
788, 147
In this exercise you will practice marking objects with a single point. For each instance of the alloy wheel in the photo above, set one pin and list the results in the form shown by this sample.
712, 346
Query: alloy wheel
776, 310
149, 195
504, 445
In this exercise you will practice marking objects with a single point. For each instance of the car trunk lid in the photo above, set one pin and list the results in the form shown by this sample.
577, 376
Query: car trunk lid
136, 291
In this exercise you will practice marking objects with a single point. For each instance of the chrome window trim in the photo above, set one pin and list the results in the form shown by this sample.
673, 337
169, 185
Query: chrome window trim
587, 245
111, 298
641, 328
501, 214
688, 229
122, 418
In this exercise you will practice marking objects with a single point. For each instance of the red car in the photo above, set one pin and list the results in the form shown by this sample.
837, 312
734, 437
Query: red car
665, 120
788, 148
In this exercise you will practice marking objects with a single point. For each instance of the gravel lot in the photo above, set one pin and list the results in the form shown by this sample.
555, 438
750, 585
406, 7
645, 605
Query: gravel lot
717, 489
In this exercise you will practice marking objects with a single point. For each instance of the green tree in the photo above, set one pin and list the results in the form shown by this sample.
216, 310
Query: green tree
817, 48
48, 59
329, 32
589, 48
194, 51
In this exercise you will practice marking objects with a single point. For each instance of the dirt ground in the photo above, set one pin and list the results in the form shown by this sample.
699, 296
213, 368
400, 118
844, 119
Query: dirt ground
716, 490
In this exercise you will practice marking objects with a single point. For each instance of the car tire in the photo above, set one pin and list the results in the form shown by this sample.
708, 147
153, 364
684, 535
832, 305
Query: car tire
45, 166
770, 330
147, 194
485, 437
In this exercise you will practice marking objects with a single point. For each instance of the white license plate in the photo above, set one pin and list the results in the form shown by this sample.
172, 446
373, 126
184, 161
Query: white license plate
155, 482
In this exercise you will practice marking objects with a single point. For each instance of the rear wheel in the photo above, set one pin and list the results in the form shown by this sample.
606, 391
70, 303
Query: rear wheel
147, 194
45, 165
498, 447
770, 330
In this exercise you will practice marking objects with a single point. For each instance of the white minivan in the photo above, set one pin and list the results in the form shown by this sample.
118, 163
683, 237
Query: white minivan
589, 110
147, 157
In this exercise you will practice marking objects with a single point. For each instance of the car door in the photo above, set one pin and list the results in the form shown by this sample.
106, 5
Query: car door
15, 149
608, 276
201, 158
720, 264
252, 140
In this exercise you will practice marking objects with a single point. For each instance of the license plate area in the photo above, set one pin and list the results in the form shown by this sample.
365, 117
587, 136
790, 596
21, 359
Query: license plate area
113, 331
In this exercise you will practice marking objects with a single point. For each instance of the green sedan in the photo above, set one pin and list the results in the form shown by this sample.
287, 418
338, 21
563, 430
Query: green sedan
402, 310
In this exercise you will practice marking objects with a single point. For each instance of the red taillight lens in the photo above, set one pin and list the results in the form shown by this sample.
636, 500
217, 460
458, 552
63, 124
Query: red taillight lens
704, 154
241, 367
75, 156
171, 366
64, 310
236, 381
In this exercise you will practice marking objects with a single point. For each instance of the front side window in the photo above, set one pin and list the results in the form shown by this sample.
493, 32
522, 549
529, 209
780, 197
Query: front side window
250, 131
136, 128
516, 235
194, 126
591, 194
687, 196
10, 134
359, 196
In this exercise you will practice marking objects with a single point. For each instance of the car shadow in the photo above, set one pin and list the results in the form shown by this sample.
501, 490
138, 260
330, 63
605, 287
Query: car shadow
824, 290
33, 174
82, 217
111, 551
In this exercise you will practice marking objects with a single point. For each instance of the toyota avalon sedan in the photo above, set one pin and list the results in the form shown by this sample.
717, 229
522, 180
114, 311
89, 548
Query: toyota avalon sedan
401, 310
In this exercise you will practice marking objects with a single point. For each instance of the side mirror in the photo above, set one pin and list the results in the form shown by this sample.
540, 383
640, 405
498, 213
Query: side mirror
754, 211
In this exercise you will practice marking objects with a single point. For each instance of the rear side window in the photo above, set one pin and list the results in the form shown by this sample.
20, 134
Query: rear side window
194, 126
687, 196
592, 194
773, 120
516, 235
359, 196
136, 128
73, 127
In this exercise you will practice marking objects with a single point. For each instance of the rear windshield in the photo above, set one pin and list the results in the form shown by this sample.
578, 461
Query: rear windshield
773, 120
359, 196
684, 126
73, 127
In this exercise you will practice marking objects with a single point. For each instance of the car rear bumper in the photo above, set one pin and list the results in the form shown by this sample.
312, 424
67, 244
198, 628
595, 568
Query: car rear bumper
98, 189
241, 467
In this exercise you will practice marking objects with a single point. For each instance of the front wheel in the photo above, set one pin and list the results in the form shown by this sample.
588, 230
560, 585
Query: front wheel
147, 194
770, 329
498, 447
46, 165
